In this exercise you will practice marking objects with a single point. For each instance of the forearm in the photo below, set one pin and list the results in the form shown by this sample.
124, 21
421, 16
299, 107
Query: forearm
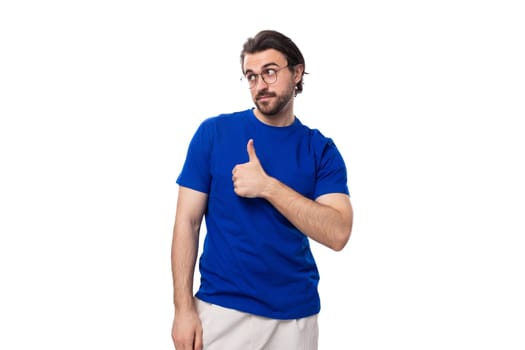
183, 259
323, 223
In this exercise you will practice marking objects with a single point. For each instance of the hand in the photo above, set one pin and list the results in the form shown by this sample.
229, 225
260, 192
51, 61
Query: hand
249, 179
187, 331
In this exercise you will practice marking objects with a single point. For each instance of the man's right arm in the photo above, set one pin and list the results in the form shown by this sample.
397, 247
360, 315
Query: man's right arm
187, 329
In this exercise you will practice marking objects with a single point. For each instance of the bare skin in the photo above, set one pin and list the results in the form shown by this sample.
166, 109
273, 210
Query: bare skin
187, 328
327, 219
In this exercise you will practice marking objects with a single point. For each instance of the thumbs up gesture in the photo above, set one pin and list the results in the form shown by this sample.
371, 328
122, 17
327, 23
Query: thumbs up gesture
249, 179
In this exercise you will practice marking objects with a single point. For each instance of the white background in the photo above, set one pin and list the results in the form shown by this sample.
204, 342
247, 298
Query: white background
98, 101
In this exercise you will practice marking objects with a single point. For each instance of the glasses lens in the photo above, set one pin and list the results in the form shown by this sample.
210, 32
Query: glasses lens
250, 79
269, 76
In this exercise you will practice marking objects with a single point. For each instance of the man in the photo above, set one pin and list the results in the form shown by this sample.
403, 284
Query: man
266, 184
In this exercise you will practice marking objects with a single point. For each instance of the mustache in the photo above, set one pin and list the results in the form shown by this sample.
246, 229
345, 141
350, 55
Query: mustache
264, 94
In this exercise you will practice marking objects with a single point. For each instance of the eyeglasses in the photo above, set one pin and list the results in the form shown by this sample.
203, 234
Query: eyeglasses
268, 75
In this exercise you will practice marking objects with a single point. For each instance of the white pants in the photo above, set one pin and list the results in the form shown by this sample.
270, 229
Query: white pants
227, 329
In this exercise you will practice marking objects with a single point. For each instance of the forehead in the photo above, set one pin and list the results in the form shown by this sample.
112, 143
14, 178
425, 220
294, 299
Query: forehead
256, 61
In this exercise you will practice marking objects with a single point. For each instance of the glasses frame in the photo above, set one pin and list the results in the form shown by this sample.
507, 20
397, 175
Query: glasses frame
253, 83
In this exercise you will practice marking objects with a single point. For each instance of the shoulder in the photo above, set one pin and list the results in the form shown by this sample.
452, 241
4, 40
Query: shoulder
317, 139
219, 124
226, 119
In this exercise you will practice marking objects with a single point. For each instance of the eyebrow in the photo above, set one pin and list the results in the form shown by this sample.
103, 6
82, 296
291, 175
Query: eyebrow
263, 67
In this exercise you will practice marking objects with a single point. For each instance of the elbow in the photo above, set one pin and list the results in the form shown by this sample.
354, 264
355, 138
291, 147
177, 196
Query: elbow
341, 237
344, 230
339, 244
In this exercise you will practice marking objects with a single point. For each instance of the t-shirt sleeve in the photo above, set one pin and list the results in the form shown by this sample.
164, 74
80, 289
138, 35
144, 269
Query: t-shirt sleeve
331, 174
195, 172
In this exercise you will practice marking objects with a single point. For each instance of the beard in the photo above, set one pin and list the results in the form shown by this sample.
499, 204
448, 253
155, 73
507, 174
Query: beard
273, 106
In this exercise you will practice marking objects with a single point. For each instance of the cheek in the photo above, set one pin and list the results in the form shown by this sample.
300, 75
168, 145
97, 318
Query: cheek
291, 86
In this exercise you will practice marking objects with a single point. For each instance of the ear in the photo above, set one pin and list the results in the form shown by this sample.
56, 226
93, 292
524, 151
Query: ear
298, 72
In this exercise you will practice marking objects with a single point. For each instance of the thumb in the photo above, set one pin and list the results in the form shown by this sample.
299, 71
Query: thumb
252, 156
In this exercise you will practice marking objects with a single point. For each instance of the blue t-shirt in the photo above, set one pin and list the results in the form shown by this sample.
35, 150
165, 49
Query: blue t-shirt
254, 260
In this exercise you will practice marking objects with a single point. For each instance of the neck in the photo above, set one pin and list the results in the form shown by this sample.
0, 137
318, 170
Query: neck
280, 119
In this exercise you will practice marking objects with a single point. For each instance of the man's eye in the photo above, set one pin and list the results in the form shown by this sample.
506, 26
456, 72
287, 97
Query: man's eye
269, 72
251, 76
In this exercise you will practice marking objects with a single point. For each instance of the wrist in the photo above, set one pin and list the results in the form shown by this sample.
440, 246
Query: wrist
272, 186
184, 303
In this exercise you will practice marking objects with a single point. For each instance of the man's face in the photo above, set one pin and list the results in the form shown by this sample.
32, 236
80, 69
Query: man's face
272, 98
